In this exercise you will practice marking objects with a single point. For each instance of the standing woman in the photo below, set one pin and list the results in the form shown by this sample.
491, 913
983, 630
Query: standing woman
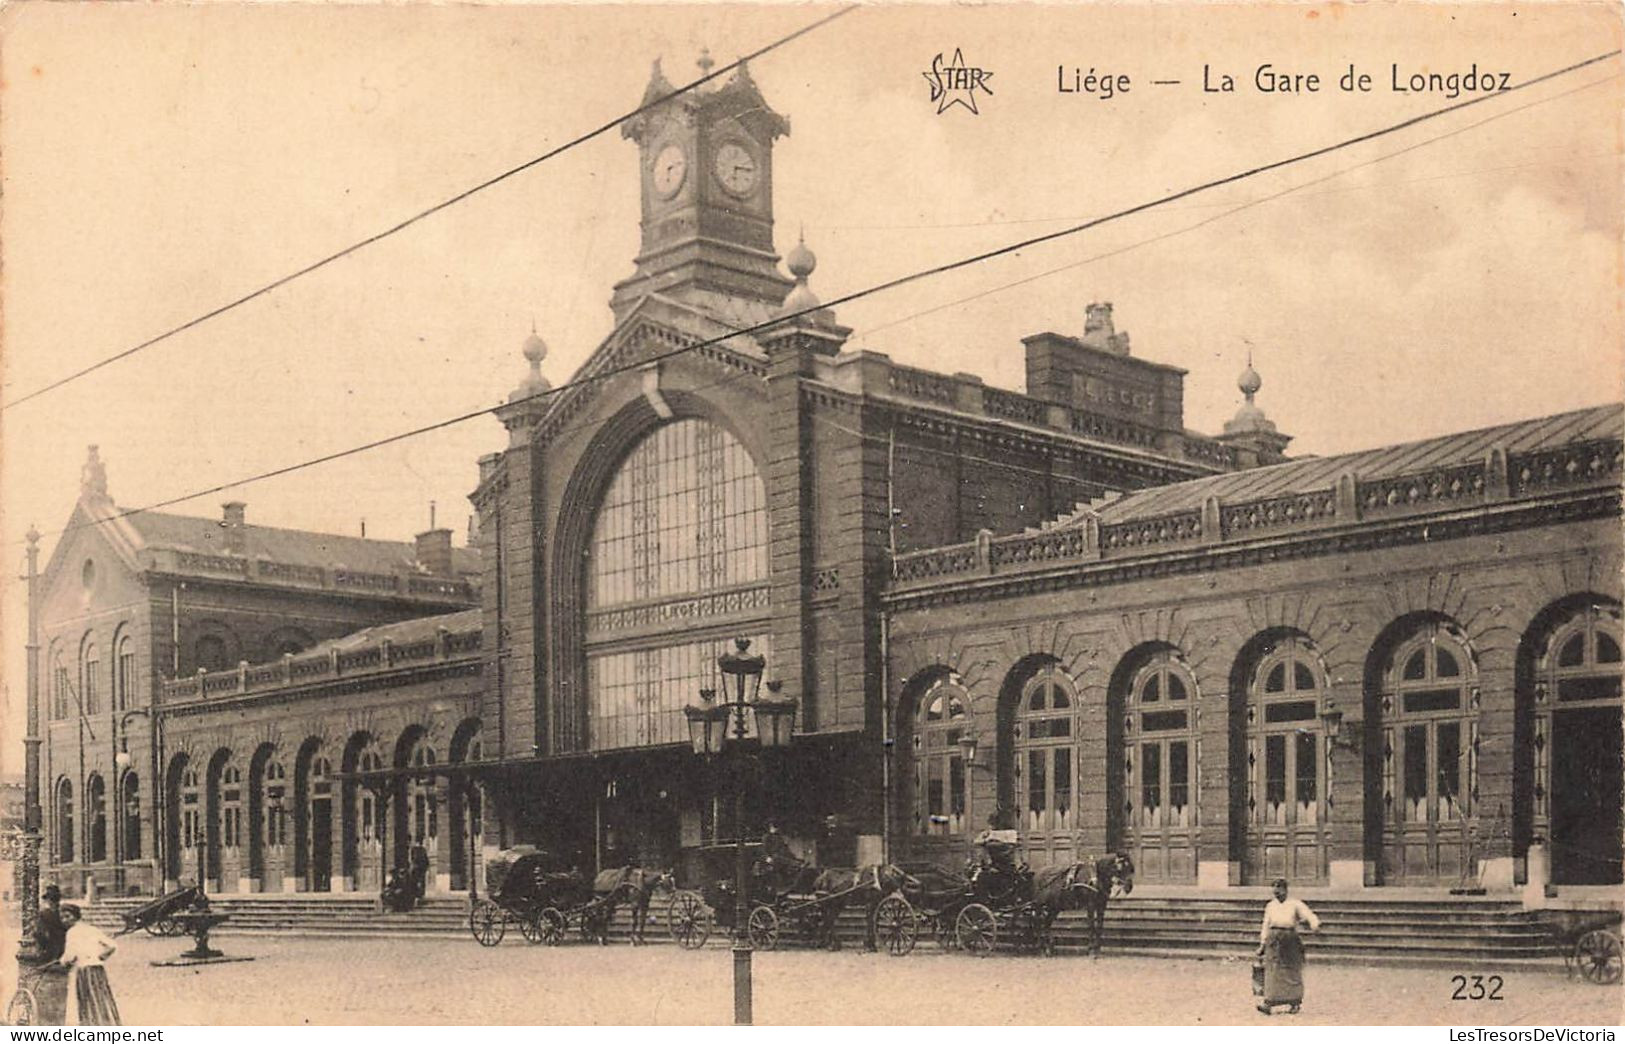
1282, 949
90, 999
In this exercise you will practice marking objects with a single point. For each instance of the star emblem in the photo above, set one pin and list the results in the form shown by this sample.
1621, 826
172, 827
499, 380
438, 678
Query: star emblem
956, 83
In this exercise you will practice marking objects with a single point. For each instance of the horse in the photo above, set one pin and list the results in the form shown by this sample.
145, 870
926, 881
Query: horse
1075, 886
837, 887
1109, 874
635, 885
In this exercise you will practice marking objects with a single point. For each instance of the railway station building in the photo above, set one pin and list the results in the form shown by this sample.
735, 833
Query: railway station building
1058, 609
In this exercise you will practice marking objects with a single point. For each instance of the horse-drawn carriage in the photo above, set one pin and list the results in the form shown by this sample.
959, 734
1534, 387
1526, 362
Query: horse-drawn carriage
546, 899
1001, 899
788, 898
1589, 941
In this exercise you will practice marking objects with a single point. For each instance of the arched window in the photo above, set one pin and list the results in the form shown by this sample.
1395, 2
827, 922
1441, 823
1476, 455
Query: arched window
372, 826
1160, 713
679, 541
425, 807
941, 795
132, 815
276, 814
64, 821
90, 682
1045, 745
124, 682
211, 653
191, 810
1577, 748
1430, 741
1285, 782
61, 698
231, 807
96, 806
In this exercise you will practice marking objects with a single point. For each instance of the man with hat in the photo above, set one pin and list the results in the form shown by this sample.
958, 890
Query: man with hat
50, 934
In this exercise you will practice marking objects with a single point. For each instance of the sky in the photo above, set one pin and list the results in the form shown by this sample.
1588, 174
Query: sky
160, 160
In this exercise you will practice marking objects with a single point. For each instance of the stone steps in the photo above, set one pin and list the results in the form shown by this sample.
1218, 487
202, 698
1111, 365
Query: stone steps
1424, 932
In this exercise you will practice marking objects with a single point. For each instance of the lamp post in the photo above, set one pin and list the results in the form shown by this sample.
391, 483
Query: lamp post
708, 732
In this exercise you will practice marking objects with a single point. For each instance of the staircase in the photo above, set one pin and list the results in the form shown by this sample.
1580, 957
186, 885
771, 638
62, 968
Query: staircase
1436, 931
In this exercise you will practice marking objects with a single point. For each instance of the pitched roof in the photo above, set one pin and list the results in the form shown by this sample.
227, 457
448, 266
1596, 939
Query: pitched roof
1318, 473
288, 546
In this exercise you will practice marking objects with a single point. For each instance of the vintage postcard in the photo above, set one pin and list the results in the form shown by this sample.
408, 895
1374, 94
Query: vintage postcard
801, 514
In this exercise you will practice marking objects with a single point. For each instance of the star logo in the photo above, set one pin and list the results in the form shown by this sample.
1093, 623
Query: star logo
955, 83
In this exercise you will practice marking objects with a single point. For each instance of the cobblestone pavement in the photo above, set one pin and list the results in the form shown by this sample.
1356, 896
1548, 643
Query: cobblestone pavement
424, 980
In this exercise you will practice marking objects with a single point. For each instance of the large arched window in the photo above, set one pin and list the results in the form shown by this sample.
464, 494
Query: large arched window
96, 811
372, 825
941, 797
1156, 793
276, 813
61, 698
1428, 717
422, 802
1045, 759
1577, 748
90, 680
124, 675
678, 559
64, 821
231, 807
191, 810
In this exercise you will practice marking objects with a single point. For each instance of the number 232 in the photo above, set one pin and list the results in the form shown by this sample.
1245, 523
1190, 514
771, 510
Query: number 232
1477, 987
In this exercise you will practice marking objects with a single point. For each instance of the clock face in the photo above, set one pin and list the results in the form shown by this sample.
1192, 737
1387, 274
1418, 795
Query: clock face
736, 169
670, 167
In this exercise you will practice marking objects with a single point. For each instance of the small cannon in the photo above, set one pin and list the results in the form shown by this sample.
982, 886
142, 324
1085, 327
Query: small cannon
161, 916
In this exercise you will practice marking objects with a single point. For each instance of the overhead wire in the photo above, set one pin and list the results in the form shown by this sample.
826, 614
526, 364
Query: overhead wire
401, 226
587, 377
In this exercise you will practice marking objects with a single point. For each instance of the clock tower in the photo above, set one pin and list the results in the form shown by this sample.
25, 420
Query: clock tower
706, 177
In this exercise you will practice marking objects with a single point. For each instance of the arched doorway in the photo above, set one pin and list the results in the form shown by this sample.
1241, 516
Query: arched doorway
96, 819
64, 821
1153, 730
1045, 764
313, 818
1575, 752
465, 804
937, 802
1424, 716
1282, 805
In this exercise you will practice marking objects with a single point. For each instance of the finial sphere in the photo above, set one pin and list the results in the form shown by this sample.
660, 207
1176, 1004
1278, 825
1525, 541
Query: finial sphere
801, 261
1250, 381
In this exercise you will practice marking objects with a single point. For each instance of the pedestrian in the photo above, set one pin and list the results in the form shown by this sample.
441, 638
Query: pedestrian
49, 931
1282, 950
90, 998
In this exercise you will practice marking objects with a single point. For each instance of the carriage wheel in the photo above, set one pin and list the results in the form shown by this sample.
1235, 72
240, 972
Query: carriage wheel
976, 930
763, 928
897, 926
488, 923
688, 920
22, 1010
550, 926
1598, 955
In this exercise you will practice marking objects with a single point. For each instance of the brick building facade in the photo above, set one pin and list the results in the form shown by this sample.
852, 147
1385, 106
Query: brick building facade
194, 671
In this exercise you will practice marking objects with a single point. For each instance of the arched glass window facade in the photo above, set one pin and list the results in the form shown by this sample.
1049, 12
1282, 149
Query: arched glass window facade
124, 681
679, 545
1158, 726
1577, 748
1286, 765
941, 805
1429, 729
1046, 761
231, 807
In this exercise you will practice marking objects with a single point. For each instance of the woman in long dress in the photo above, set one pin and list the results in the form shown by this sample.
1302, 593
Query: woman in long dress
1282, 950
90, 998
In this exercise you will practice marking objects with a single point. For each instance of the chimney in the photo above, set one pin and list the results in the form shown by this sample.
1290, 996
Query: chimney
232, 522
434, 551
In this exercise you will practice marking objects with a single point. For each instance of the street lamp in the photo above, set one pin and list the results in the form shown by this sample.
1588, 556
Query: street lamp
708, 732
